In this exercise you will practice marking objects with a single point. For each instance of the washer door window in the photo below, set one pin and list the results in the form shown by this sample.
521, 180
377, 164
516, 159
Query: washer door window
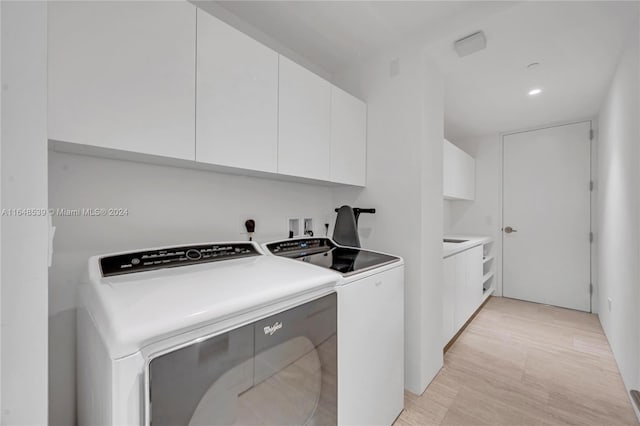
281, 370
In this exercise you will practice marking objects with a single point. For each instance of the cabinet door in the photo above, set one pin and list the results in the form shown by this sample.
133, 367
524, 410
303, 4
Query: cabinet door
458, 173
460, 290
237, 98
371, 349
448, 302
468, 285
474, 279
304, 122
348, 138
122, 75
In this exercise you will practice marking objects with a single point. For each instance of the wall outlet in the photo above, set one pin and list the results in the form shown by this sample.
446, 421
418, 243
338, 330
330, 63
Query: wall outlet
294, 226
308, 227
609, 303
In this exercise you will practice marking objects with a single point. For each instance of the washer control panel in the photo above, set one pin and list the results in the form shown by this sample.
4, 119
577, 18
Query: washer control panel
149, 260
300, 247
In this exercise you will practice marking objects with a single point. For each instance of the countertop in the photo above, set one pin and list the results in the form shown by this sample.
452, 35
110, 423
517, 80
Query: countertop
449, 249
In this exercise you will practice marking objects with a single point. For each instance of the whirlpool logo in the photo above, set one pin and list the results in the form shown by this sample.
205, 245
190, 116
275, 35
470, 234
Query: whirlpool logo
270, 329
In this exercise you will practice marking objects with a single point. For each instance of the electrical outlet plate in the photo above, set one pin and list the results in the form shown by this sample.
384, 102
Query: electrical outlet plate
293, 225
308, 226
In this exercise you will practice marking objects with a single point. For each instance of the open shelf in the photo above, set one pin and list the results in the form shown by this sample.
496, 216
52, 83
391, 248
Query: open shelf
487, 250
486, 293
488, 269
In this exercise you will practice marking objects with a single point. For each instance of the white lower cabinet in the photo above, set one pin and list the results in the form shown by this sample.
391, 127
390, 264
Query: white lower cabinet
449, 296
462, 290
472, 284
371, 349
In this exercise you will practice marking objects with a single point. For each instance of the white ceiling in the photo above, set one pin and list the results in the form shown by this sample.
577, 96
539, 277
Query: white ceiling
335, 34
576, 43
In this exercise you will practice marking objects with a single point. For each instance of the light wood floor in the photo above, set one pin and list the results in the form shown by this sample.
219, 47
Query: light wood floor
521, 363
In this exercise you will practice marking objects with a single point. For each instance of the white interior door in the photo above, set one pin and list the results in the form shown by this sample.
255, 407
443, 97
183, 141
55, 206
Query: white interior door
546, 196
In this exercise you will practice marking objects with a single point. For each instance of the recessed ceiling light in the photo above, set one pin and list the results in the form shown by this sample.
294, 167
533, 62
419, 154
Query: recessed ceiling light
534, 92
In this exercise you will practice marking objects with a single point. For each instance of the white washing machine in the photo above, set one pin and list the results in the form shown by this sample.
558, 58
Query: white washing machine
370, 326
206, 334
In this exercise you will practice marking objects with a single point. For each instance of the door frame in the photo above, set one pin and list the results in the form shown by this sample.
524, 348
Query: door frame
592, 198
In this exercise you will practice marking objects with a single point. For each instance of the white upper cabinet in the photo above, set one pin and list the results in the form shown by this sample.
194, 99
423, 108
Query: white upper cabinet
166, 80
237, 98
122, 75
304, 141
348, 138
459, 171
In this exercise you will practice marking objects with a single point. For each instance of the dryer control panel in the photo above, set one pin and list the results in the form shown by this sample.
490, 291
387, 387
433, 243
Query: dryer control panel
149, 260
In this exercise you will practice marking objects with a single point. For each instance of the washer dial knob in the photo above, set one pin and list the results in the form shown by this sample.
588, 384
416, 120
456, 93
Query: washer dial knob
193, 254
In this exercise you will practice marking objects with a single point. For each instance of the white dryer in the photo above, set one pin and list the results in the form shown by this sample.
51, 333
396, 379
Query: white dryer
370, 326
206, 334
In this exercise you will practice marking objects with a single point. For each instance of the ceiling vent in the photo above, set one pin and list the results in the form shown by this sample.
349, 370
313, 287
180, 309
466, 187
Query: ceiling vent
470, 44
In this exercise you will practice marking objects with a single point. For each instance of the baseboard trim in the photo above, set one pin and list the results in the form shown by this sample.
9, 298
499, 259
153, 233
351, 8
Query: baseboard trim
455, 337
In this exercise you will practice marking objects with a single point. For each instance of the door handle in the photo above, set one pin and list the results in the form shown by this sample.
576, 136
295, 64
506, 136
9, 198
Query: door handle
508, 229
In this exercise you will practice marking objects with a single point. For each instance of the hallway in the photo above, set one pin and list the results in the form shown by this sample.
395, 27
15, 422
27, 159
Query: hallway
521, 363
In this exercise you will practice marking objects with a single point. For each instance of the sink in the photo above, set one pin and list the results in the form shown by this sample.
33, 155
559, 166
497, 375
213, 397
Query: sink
450, 240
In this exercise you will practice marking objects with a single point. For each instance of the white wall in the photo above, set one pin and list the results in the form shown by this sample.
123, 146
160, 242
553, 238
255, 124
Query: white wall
23, 155
166, 206
1, 204
618, 215
483, 216
404, 184
429, 304
446, 216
